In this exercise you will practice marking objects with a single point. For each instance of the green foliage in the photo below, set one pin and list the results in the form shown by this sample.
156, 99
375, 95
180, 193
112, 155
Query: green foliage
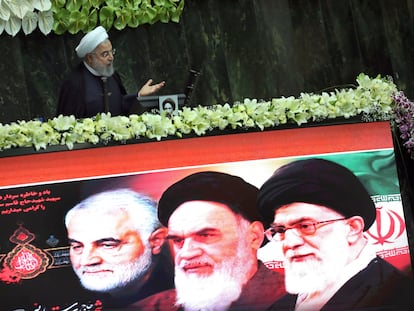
75, 16
82, 16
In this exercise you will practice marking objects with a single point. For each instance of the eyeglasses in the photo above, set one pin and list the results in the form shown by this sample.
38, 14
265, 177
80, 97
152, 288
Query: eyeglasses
105, 54
303, 228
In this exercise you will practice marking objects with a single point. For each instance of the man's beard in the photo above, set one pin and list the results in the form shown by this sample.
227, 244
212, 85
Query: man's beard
217, 291
314, 275
122, 277
103, 70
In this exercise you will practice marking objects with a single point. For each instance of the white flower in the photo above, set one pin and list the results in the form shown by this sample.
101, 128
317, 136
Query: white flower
371, 98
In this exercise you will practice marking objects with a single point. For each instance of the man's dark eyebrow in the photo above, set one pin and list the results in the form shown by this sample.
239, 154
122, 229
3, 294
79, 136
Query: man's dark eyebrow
97, 241
275, 224
201, 231
73, 241
206, 230
172, 236
108, 240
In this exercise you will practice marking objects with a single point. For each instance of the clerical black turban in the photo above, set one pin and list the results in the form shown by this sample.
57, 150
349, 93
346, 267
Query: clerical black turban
233, 191
316, 181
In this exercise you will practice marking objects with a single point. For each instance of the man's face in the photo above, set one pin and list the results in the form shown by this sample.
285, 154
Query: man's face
211, 253
106, 252
312, 262
168, 108
102, 59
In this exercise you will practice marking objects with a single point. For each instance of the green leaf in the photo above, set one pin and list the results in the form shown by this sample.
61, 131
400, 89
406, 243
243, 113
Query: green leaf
92, 21
163, 14
60, 23
134, 20
123, 17
115, 3
73, 5
77, 21
45, 22
106, 16
56, 4
132, 4
94, 3
152, 13
29, 22
176, 14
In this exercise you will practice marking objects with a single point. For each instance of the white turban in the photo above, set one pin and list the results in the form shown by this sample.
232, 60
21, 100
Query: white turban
90, 41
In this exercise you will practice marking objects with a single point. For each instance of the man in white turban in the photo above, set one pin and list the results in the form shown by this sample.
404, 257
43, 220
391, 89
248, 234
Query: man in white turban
94, 86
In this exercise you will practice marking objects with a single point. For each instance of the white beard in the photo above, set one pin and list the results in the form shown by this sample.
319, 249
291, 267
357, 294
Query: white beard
122, 277
315, 275
217, 291
305, 277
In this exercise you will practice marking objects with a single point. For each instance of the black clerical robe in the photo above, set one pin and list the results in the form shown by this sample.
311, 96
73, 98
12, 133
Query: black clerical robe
378, 287
82, 95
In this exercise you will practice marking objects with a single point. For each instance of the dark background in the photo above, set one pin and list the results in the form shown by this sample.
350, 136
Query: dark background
244, 49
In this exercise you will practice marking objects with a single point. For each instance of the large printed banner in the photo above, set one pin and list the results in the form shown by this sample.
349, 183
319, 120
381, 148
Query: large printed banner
37, 190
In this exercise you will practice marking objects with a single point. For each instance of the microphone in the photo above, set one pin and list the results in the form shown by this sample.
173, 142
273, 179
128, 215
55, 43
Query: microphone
192, 80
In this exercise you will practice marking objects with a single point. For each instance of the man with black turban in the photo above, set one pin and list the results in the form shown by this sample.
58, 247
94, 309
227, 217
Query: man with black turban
214, 235
95, 86
317, 211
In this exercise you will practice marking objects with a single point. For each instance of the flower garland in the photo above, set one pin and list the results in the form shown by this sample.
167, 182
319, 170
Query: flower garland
371, 98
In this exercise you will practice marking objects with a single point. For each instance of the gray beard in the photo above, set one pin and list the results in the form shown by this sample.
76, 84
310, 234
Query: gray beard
106, 71
102, 70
